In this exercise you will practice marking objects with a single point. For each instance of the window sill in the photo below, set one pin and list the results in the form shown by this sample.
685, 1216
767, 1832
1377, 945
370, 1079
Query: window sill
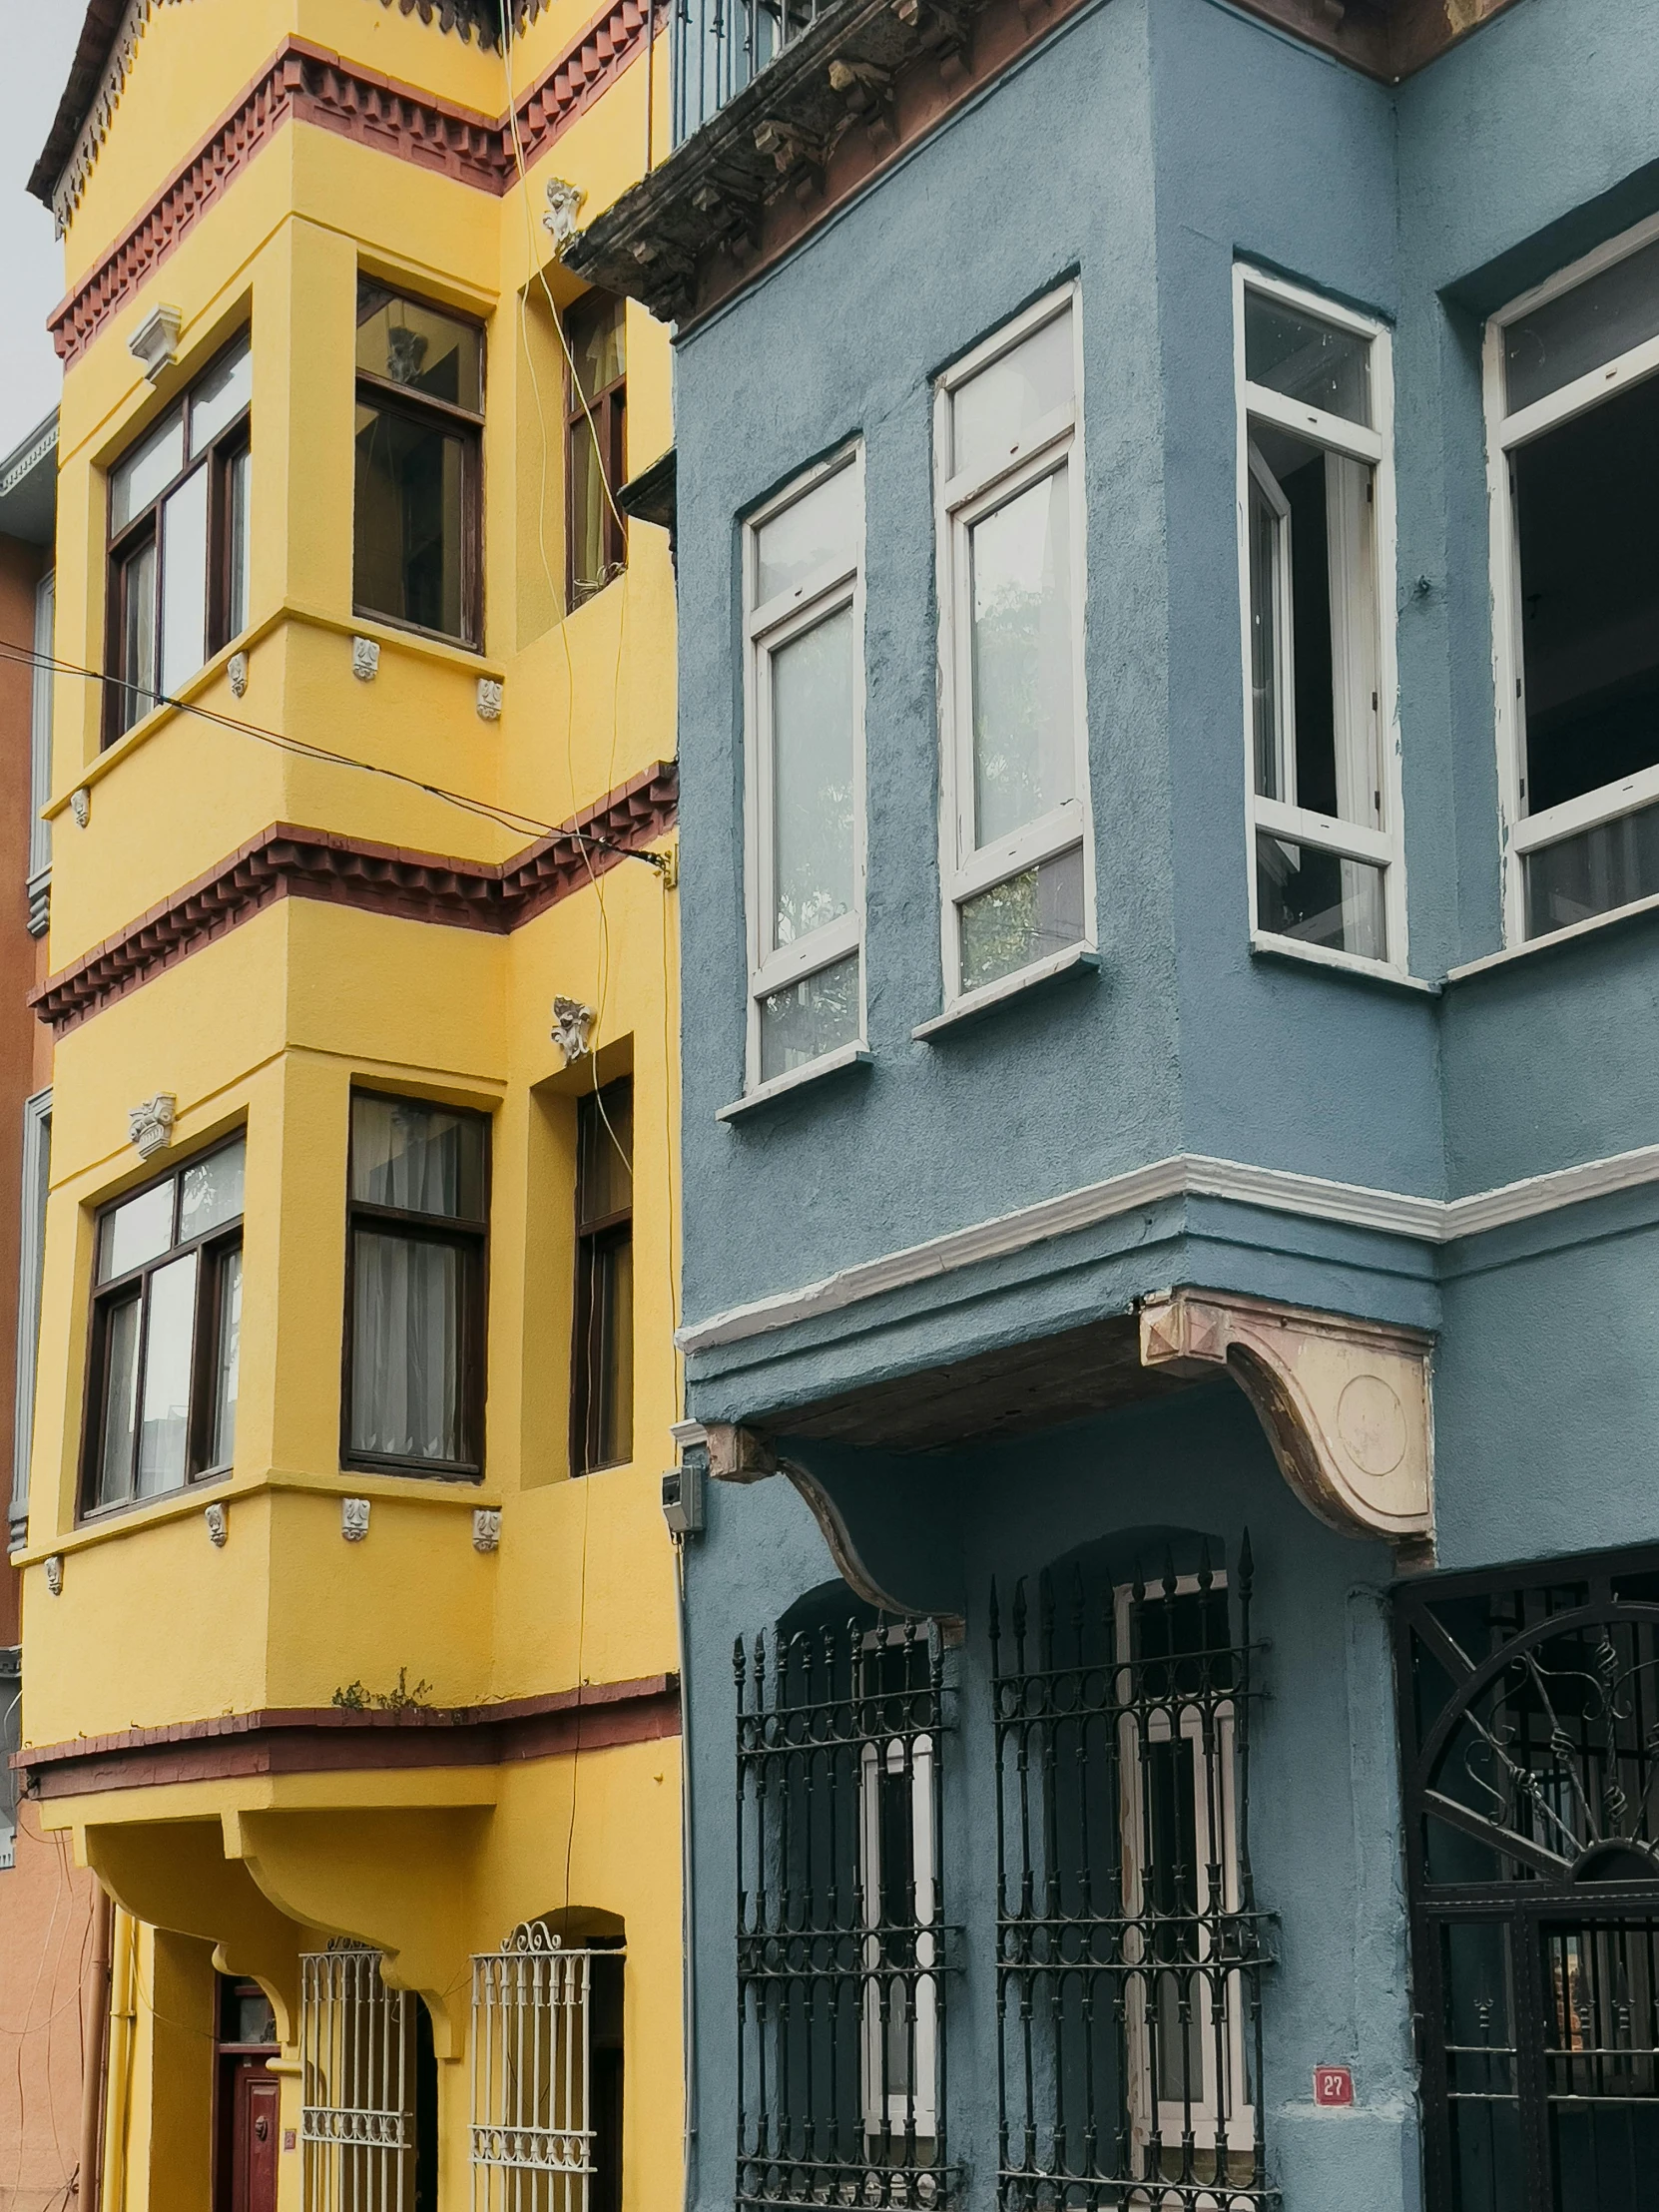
1076, 960
1341, 963
832, 1063
1556, 940
387, 630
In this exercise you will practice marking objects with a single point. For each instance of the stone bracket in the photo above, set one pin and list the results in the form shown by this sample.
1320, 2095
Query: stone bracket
1346, 1404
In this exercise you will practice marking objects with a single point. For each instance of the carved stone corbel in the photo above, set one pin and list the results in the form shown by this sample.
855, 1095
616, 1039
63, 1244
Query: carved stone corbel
739, 1454
1346, 1404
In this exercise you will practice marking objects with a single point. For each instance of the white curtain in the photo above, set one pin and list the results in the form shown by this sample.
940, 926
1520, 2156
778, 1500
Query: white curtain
406, 1345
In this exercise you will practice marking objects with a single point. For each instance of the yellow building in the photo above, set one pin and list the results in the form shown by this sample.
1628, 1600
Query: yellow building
349, 1638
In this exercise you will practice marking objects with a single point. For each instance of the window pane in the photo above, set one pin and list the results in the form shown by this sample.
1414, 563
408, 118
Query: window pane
138, 635
604, 1153
1591, 873
588, 506
1321, 555
184, 582
148, 471
1022, 921
1318, 897
992, 411
422, 1159
211, 1192
240, 523
164, 1438
1267, 614
1024, 727
1594, 323
809, 1019
605, 1388
137, 1231
812, 779
219, 397
1307, 360
820, 531
406, 1330
598, 338
115, 1449
421, 348
1585, 499
411, 520
227, 1360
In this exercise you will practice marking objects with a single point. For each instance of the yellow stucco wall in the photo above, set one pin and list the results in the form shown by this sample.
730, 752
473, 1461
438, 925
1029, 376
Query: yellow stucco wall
267, 1027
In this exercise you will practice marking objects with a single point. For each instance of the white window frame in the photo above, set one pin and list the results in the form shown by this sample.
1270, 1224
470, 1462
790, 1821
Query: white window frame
39, 887
888, 2118
767, 627
1518, 832
1229, 2118
960, 501
37, 1164
1382, 846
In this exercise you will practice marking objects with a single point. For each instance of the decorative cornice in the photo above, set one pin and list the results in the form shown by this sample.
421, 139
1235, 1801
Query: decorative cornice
855, 91
26, 462
1431, 1221
286, 862
310, 84
332, 1739
68, 187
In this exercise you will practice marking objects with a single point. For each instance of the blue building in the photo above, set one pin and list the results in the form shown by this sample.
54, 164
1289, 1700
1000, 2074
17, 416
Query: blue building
1169, 600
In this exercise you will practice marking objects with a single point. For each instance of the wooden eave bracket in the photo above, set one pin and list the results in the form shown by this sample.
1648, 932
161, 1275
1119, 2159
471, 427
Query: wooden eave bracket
1346, 1404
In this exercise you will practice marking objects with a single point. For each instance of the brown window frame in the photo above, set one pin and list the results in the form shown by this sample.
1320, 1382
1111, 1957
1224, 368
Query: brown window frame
609, 409
469, 1236
382, 393
215, 1245
596, 1239
218, 457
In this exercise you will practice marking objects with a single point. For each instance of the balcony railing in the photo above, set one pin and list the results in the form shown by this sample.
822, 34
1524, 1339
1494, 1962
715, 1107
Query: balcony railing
720, 46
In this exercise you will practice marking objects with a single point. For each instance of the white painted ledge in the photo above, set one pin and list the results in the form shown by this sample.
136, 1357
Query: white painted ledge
845, 1057
973, 1003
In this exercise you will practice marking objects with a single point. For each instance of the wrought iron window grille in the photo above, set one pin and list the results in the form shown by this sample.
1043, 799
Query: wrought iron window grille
357, 2054
844, 1955
1529, 1725
533, 2131
1130, 1944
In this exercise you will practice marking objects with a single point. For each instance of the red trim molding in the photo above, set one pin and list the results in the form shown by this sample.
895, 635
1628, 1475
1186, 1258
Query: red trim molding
286, 862
310, 84
337, 1740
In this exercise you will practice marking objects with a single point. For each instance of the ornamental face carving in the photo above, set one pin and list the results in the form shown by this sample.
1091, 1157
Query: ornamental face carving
489, 699
365, 658
219, 1526
150, 1126
1344, 1402
486, 1528
54, 1574
572, 1028
354, 1519
564, 205
79, 805
239, 674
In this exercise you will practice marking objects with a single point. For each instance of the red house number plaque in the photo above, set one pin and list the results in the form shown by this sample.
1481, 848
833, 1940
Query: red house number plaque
1332, 2085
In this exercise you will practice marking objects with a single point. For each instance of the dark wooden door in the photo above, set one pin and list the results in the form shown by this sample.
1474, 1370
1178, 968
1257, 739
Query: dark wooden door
255, 2137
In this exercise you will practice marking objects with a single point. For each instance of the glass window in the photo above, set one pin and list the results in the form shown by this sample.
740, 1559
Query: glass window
595, 441
1013, 836
602, 1381
1579, 691
167, 1326
1324, 856
180, 540
806, 739
11, 1740
414, 1301
418, 547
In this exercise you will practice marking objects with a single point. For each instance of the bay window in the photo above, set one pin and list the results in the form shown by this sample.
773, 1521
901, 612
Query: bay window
1573, 409
181, 542
803, 615
166, 1334
415, 1299
1015, 857
1315, 555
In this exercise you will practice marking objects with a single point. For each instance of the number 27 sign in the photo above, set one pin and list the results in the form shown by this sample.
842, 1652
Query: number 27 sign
1332, 2085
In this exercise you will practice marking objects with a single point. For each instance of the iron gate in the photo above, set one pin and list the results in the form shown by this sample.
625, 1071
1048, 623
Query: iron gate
357, 2051
1529, 1720
532, 2086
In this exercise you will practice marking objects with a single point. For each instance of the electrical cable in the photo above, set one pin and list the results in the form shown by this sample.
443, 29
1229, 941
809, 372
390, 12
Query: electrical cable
506, 817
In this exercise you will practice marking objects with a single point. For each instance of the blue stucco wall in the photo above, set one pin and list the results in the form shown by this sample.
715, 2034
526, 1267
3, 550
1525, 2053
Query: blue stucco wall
1147, 145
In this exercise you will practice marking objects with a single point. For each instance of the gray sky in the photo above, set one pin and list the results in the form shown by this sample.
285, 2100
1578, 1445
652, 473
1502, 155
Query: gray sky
37, 43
